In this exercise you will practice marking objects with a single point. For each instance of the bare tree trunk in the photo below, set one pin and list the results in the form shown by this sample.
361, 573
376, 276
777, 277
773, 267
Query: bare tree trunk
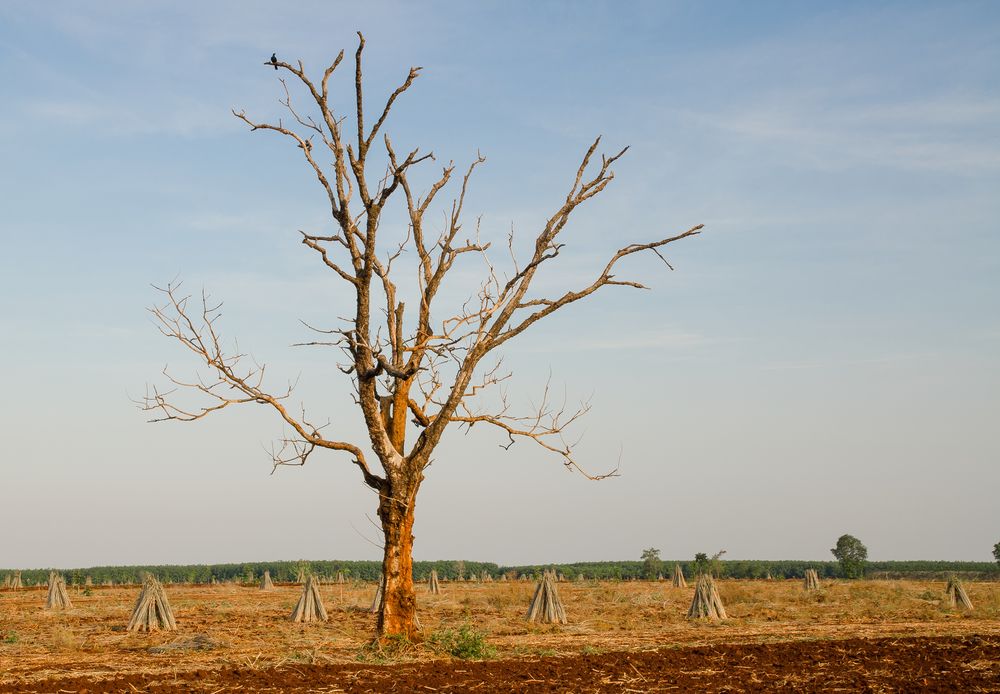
399, 599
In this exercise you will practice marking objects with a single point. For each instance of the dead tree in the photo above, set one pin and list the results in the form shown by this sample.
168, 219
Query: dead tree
415, 369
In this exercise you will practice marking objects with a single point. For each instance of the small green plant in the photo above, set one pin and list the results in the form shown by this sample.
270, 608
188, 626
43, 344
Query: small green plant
10, 637
465, 643
87, 591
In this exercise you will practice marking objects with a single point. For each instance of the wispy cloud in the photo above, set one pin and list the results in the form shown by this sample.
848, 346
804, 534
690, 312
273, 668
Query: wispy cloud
678, 340
950, 134
833, 363
176, 117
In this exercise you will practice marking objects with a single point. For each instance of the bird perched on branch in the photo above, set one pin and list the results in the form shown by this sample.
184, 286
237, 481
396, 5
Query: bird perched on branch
274, 60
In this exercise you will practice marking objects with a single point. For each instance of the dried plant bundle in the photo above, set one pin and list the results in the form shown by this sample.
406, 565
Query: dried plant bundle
310, 605
152, 609
377, 600
957, 595
57, 598
706, 603
677, 581
546, 607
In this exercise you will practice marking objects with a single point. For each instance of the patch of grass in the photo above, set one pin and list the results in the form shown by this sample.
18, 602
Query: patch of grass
11, 637
465, 643
386, 649
64, 640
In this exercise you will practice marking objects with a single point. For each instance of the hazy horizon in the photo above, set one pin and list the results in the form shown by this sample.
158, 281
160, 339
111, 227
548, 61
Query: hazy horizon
824, 359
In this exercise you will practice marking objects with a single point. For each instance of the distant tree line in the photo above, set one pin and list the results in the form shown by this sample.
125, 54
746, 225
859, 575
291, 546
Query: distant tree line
287, 571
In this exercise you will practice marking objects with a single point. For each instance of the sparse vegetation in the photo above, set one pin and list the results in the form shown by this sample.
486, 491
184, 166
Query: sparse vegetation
465, 643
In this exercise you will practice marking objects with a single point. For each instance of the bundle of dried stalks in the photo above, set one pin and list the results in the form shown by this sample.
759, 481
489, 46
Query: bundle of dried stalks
811, 581
152, 609
15, 582
378, 596
546, 607
310, 606
7, 580
265, 582
678, 578
301, 576
432, 583
88, 582
579, 578
957, 595
706, 602
57, 599
340, 577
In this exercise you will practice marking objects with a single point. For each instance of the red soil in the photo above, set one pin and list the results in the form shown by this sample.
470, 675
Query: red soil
938, 664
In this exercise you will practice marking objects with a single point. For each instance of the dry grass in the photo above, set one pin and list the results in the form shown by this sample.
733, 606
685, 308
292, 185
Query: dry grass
245, 627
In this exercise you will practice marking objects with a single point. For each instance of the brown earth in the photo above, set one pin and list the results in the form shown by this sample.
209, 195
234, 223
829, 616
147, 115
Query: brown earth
877, 636
945, 664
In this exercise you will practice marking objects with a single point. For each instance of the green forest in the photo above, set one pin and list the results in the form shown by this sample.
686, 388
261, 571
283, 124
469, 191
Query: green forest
288, 571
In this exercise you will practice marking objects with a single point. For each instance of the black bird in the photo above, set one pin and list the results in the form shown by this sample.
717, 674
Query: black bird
274, 60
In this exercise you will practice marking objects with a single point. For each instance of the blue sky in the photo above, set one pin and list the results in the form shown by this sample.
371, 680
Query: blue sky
824, 359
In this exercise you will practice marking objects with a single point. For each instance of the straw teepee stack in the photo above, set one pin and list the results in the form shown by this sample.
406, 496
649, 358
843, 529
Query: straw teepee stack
706, 602
957, 595
57, 598
15, 582
432, 583
546, 608
7, 580
152, 609
310, 606
378, 596
811, 581
340, 577
265, 581
301, 576
88, 582
677, 581
580, 578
